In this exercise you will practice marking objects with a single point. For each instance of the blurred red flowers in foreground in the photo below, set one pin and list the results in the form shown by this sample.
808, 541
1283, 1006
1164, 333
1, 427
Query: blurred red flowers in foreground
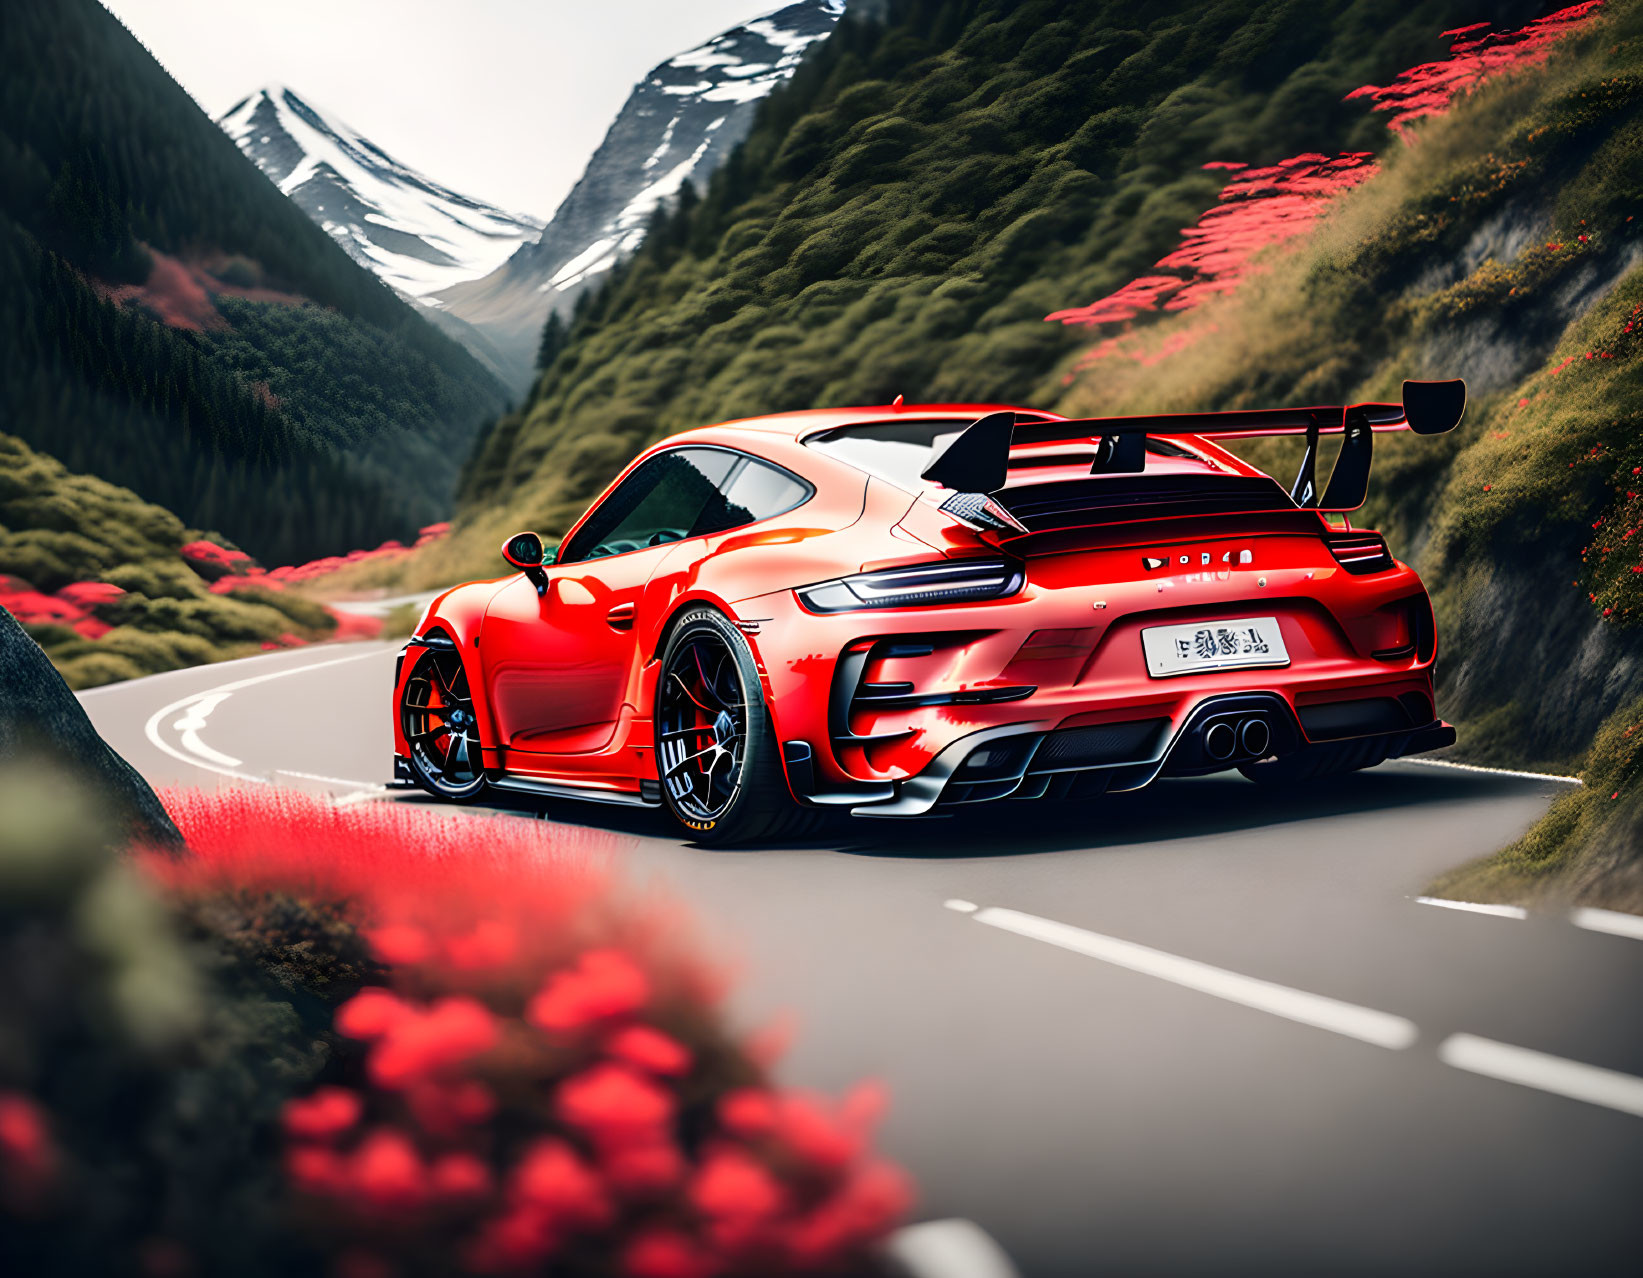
540, 1077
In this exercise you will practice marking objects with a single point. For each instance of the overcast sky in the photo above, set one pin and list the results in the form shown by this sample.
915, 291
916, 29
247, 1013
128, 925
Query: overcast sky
499, 99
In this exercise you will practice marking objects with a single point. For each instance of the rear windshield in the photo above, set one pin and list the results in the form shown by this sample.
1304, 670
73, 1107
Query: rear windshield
899, 451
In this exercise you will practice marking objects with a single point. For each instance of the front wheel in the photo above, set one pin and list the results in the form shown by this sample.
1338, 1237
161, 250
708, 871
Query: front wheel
436, 715
715, 747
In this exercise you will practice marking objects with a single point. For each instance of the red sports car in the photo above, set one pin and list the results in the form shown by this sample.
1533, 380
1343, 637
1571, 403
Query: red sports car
902, 610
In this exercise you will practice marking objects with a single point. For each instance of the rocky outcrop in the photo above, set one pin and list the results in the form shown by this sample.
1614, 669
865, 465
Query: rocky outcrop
39, 716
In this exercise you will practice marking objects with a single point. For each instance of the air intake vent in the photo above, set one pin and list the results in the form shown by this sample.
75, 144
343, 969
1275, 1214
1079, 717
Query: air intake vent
1360, 553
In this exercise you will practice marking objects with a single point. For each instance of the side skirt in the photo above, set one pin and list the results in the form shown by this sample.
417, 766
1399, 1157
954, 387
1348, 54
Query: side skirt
649, 794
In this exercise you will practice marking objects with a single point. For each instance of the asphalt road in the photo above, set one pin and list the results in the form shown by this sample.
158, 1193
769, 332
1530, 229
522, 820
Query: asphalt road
1201, 1029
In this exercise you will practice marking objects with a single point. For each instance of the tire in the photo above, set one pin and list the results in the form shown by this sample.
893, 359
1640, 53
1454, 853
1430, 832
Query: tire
1317, 762
436, 716
716, 753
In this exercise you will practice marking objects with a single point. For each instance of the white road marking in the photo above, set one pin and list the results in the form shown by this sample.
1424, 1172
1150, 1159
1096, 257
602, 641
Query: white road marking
1366, 1024
1613, 922
1589, 1083
1499, 772
1475, 907
948, 1249
961, 905
190, 725
212, 760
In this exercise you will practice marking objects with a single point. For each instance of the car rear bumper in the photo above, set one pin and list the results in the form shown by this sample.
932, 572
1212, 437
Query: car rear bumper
1024, 761
873, 709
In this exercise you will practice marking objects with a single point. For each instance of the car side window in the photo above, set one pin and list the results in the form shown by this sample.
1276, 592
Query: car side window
669, 497
685, 492
761, 491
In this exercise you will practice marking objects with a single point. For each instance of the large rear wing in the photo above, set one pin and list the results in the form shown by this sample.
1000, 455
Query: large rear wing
978, 460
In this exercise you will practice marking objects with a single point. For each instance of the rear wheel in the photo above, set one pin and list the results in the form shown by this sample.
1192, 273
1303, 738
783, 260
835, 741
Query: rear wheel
716, 750
1315, 762
436, 715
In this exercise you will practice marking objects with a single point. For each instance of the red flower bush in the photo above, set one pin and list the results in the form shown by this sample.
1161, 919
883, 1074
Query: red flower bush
540, 1080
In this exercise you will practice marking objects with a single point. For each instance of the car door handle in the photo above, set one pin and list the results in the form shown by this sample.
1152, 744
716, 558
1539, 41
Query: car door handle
621, 617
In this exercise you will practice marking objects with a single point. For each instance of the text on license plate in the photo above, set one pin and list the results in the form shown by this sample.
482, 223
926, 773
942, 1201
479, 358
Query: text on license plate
1213, 645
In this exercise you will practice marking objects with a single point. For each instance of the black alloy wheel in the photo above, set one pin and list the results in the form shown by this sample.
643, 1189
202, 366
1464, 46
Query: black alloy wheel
436, 714
716, 754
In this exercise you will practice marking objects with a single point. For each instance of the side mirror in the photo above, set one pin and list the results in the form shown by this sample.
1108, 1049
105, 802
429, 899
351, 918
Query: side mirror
524, 552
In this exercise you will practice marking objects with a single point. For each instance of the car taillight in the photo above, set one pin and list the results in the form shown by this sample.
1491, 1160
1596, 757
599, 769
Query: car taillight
1360, 552
923, 585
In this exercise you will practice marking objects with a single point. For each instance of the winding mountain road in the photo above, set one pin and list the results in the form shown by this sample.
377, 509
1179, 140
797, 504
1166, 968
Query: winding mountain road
1201, 1029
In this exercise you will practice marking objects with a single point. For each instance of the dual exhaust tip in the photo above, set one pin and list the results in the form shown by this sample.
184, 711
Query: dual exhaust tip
1249, 736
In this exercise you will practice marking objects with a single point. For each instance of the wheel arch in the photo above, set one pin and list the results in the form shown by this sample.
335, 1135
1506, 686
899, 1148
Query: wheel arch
675, 614
455, 618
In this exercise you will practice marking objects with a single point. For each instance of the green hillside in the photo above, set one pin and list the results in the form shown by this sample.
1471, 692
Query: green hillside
171, 322
1504, 247
151, 612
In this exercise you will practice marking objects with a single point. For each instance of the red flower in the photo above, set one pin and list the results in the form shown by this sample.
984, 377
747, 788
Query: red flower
400, 943
862, 1209
387, 1172
491, 944
732, 1184
748, 1112
615, 1105
372, 1013
447, 1108
806, 1128
667, 1253
28, 1158
459, 1176
450, 1033
643, 1170
649, 1049
552, 1179
602, 985
325, 1115
317, 1170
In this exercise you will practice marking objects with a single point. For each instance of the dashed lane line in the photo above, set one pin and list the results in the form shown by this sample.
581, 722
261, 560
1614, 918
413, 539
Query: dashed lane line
1544, 1072
1475, 907
1364, 1023
1611, 921
1524, 1066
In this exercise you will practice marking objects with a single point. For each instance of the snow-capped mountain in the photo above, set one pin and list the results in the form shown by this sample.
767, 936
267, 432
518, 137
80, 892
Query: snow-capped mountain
680, 122
417, 235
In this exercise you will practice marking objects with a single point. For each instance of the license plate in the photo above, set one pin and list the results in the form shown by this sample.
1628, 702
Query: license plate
1213, 645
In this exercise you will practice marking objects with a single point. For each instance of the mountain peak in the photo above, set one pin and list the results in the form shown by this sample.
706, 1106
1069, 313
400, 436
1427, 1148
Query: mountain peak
416, 234
680, 122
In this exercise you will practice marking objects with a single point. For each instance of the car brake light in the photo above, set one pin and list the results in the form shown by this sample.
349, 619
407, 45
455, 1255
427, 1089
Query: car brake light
1360, 553
923, 585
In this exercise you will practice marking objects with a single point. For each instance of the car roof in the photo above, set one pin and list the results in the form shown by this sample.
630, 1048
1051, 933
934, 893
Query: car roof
809, 421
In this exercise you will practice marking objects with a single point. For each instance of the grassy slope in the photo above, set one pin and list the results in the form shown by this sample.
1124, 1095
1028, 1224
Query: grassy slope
1525, 521
58, 528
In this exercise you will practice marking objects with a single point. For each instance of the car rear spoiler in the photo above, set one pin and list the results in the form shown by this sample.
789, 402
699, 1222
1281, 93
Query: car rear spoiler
977, 461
